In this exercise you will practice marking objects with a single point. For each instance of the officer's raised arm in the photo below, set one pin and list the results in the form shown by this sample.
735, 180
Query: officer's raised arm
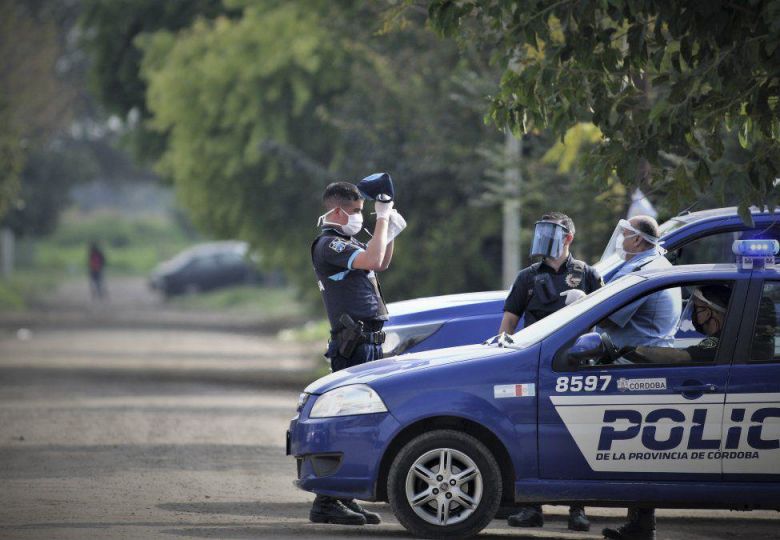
374, 257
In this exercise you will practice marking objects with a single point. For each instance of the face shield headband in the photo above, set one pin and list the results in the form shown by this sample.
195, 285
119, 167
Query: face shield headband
624, 230
548, 239
625, 225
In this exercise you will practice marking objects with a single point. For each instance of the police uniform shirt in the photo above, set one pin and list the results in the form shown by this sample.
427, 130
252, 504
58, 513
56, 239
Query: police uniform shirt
346, 289
524, 296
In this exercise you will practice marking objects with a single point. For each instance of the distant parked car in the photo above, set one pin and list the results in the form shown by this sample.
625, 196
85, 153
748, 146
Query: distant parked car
204, 267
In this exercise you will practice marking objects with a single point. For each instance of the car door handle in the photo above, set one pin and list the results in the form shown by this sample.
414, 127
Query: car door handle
696, 388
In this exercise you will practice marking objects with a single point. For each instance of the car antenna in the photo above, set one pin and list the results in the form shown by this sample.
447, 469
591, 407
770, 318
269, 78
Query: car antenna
688, 210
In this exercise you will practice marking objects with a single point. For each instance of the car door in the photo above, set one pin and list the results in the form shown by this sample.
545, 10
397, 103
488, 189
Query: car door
751, 431
635, 421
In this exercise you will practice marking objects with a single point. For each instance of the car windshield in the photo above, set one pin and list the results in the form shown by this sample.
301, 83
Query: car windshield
540, 330
610, 258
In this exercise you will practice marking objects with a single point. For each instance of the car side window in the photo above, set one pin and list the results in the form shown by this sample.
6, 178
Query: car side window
230, 259
765, 346
716, 248
674, 326
206, 262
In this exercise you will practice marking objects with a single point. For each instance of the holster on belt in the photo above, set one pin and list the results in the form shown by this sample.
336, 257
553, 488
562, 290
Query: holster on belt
349, 336
353, 334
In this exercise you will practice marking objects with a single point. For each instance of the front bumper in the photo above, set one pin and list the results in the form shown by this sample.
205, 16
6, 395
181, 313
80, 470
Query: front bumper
340, 456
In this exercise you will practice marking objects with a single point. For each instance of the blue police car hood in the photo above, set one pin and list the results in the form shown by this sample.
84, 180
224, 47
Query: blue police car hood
405, 363
444, 307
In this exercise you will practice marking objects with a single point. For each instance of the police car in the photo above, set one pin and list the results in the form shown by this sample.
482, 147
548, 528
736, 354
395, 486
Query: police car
447, 436
460, 319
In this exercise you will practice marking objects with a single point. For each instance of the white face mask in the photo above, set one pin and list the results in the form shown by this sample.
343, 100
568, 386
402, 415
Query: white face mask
353, 226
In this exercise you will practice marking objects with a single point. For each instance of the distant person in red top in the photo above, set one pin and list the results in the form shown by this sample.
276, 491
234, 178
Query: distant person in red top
96, 262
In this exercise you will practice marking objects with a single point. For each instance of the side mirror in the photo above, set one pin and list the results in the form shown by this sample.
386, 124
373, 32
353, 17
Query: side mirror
588, 346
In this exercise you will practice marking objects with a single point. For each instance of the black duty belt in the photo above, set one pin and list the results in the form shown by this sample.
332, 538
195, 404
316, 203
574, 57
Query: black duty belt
374, 338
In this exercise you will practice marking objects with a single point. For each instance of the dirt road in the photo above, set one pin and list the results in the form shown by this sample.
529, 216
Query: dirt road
110, 432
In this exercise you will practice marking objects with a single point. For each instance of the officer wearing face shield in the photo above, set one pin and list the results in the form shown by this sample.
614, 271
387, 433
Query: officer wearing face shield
651, 320
346, 275
539, 290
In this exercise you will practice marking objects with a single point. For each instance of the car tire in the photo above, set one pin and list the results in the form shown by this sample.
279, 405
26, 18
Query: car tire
458, 503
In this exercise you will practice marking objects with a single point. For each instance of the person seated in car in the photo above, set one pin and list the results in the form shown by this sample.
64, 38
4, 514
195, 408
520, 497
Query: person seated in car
708, 314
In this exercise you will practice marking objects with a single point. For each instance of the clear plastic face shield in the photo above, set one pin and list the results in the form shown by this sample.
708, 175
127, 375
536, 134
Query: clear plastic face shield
549, 238
625, 230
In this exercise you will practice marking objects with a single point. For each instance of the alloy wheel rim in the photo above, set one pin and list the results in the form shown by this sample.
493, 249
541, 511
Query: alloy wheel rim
444, 486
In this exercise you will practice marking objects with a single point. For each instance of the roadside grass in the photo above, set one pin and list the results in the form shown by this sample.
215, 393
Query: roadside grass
245, 299
309, 332
133, 246
21, 289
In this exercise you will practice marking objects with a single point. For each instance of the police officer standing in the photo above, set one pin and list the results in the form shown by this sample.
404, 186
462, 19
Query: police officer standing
345, 270
539, 290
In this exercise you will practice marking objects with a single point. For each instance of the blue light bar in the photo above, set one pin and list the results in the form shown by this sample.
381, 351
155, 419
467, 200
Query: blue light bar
755, 248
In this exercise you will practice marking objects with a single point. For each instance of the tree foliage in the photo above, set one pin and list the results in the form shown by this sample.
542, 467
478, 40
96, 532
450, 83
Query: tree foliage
34, 100
262, 111
666, 82
261, 108
110, 29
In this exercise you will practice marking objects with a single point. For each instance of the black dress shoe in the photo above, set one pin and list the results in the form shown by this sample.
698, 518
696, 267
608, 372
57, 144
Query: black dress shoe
578, 521
640, 526
330, 510
528, 516
372, 518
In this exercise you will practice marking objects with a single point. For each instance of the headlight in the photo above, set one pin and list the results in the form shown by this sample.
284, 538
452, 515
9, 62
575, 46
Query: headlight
346, 401
302, 399
399, 339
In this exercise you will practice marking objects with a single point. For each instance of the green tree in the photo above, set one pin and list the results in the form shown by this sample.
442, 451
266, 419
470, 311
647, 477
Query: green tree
263, 110
34, 100
666, 82
110, 29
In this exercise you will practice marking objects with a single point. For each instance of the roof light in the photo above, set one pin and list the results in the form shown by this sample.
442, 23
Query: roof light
755, 248
755, 253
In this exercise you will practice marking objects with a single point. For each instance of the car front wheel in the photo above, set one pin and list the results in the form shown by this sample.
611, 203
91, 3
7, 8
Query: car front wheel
444, 484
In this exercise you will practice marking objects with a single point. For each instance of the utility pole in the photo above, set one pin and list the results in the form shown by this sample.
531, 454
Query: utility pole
513, 150
6, 252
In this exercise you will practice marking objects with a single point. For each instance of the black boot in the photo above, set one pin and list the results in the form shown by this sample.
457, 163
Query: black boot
372, 518
640, 526
528, 516
329, 510
578, 521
